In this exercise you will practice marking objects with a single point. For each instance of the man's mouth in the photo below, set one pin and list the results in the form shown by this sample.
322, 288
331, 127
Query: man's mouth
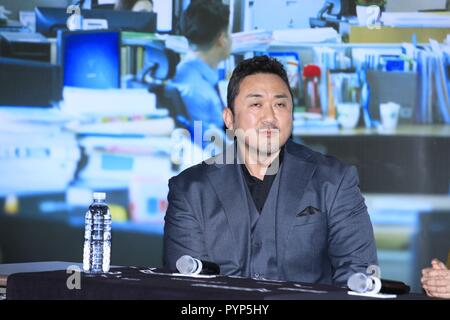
268, 132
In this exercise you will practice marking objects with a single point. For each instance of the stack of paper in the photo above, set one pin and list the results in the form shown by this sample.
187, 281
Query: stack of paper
305, 120
36, 155
243, 41
141, 165
315, 35
123, 102
433, 83
112, 161
116, 112
442, 81
33, 120
416, 19
260, 39
144, 127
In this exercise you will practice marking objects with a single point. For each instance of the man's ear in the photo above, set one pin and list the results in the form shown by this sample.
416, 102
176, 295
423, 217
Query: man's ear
228, 118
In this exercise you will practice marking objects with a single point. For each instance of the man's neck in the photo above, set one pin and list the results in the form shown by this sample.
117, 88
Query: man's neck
257, 164
209, 57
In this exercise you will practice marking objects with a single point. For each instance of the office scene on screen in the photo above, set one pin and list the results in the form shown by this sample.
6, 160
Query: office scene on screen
116, 97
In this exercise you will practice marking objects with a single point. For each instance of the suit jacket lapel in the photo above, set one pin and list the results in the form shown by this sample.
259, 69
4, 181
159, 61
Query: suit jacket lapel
227, 183
295, 175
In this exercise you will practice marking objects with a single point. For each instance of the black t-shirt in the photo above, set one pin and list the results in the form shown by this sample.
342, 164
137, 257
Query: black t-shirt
259, 189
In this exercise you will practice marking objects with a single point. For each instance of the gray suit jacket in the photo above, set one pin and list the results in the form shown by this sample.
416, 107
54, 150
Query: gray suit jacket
323, 231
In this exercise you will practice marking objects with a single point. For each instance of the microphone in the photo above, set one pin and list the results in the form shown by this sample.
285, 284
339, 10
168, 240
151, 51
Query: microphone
191, 266
362, 283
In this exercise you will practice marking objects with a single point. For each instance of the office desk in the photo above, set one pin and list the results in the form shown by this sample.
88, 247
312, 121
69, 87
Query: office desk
410, 160
10, 268
150, 283
442, 131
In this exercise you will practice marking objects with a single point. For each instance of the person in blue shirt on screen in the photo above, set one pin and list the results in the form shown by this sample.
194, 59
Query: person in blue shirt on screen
134, 5
205, 25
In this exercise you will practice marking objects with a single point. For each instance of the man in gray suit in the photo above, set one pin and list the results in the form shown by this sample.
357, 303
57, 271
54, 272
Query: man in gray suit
268, 207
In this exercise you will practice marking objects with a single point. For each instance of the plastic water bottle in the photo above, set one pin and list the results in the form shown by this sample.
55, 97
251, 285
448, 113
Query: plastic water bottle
97, 236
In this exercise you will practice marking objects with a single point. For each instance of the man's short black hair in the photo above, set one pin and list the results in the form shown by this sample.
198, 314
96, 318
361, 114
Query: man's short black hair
203, 21
248, 67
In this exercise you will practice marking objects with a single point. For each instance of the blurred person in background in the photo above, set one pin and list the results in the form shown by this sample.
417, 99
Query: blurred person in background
205, 24
134, 5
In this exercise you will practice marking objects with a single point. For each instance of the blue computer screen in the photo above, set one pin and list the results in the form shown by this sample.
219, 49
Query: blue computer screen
91, 59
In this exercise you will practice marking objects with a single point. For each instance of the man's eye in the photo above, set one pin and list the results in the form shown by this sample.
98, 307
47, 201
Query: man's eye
281, 105
256, 105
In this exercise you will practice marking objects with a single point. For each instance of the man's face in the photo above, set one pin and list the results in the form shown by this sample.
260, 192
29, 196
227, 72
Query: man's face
263, 112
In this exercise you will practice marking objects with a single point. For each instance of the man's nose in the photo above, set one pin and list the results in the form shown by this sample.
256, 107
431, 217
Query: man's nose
268, 114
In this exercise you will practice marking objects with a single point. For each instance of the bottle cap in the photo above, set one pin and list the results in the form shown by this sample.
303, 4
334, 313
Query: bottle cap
99, 196
311, 70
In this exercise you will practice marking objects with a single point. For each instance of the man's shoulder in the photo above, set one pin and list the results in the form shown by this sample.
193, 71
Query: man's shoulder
189, 176
326, 165
323, 162
187, 72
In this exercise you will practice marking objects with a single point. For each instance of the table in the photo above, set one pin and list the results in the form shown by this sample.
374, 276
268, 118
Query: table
410, 160
158, 284
11, 268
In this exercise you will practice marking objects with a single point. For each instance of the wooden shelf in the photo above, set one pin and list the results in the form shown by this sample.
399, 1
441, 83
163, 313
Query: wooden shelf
402, 130
396, 35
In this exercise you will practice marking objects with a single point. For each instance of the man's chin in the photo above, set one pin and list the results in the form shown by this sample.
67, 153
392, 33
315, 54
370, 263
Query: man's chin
265, 149
262, 146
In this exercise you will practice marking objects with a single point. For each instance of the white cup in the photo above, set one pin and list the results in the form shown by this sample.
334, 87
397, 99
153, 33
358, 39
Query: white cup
368, 15
348, 114
389, 115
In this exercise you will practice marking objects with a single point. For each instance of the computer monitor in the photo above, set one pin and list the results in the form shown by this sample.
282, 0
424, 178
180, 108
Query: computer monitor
90, 59
50, 20
24, 45
28, 83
